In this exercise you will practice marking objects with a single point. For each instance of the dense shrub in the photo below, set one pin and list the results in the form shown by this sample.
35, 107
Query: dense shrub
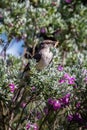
54, 98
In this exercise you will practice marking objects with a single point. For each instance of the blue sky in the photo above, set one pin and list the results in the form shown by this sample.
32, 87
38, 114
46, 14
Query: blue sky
15, 47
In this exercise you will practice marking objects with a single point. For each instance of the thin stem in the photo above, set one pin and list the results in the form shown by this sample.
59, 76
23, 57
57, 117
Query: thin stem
22, 113
40, 128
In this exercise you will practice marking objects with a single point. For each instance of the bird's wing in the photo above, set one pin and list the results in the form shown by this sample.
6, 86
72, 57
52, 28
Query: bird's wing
37, 57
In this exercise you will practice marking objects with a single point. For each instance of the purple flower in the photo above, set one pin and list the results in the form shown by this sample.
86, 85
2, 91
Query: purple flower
70, 117
39, 116
45, 110
28, 126
68, 1
12, 87
77, 117
33, 89
78, 105
35, 126
42, 30
71, 80
50, 101
61, 80
68, 95
60, 68
66, 76
65, 100
23, 104
56, 105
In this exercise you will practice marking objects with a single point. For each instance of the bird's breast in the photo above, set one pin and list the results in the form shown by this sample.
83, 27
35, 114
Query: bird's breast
46, 58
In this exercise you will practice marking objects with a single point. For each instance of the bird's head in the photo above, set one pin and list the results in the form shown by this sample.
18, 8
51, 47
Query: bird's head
48, 44
44, 46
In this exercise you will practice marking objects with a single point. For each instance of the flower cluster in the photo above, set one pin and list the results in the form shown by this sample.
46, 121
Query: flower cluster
30, 125
66, 99
60, 103
75, 117
12, 87
60, 68
67, 78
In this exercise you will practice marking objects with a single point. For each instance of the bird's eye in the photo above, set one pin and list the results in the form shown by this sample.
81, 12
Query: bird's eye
41, 45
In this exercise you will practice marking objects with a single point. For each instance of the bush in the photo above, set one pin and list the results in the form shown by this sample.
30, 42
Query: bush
54, 98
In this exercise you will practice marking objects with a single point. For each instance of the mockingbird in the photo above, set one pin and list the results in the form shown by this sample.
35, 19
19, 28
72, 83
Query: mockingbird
43, 55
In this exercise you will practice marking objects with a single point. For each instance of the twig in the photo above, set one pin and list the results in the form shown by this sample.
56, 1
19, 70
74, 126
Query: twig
44, 119
23, 112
